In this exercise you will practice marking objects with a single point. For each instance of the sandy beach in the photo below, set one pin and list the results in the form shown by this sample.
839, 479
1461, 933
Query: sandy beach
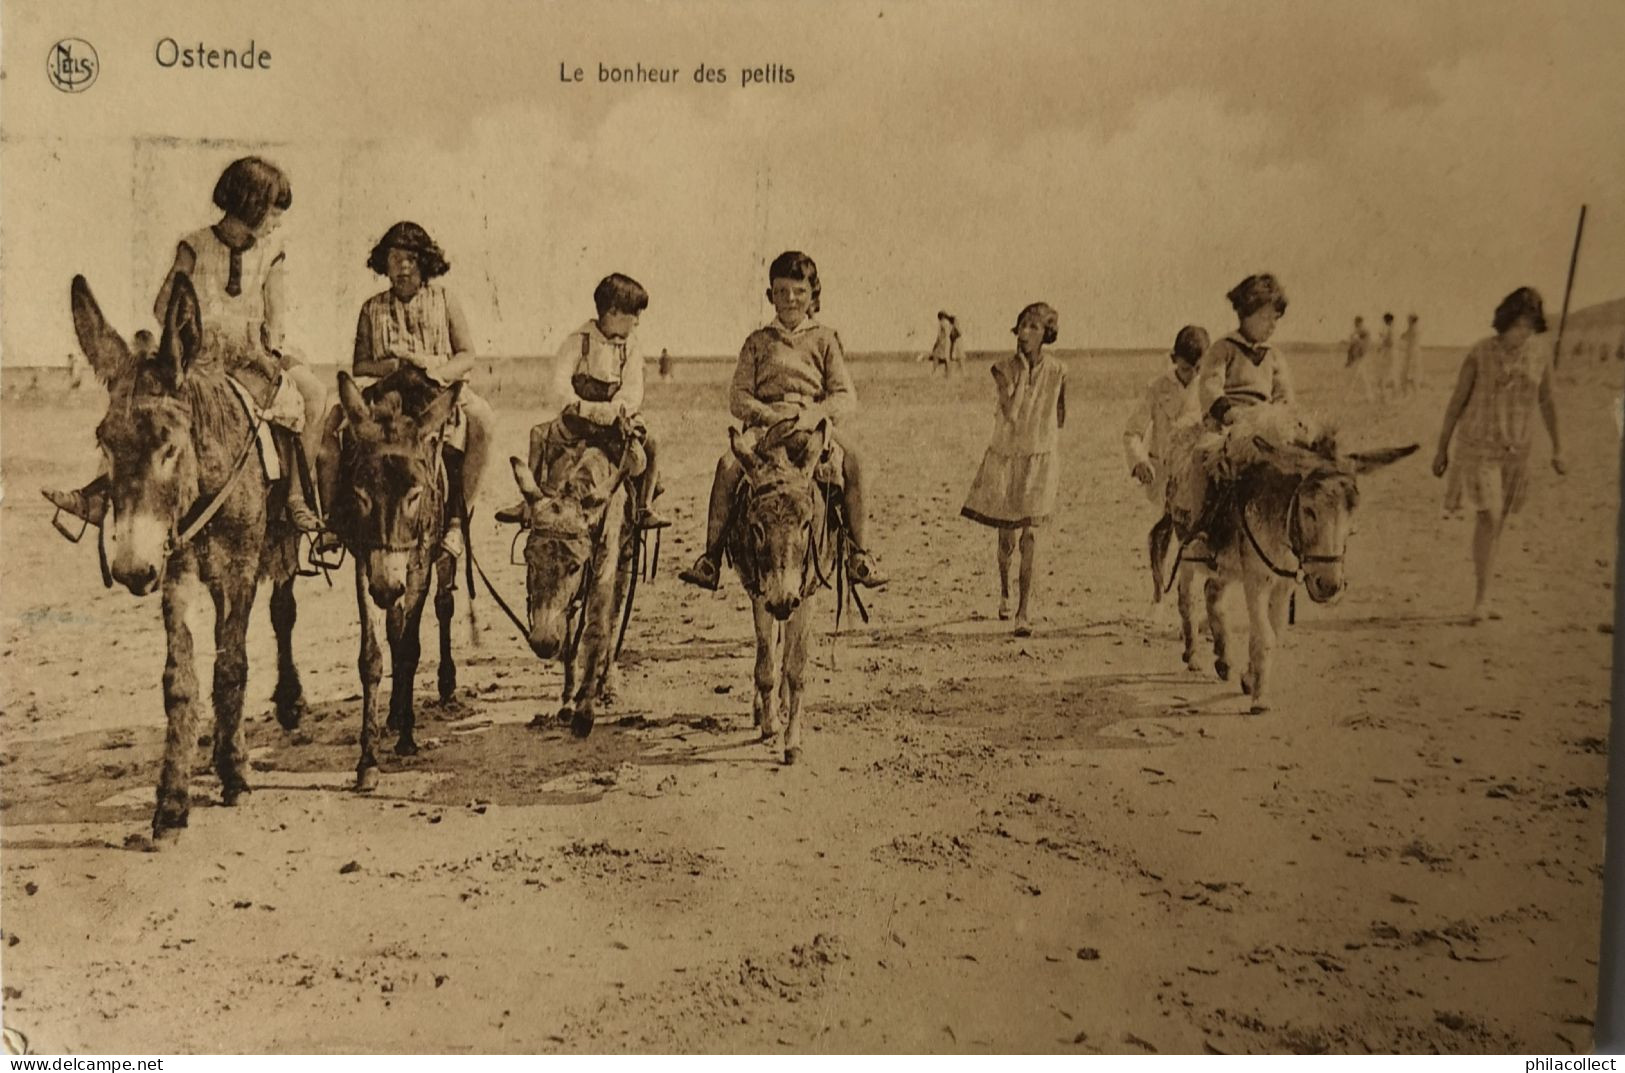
1061, 843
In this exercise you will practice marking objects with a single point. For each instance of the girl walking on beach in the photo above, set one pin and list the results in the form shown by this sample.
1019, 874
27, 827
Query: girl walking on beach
1014, 490
1503, 380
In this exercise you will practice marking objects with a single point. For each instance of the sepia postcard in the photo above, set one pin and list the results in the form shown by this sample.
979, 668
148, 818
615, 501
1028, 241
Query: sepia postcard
952, 527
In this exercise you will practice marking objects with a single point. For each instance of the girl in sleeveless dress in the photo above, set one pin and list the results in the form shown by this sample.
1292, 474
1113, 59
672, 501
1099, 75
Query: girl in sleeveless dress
237, 270
1014, 491
415, 322
1503, 380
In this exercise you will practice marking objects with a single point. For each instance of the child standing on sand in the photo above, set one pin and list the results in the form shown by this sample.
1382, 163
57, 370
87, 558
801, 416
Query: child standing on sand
1503, 379
1014, 490
1412, 338
1148, 437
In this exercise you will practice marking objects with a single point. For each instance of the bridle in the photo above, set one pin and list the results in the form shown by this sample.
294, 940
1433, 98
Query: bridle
1294, 538
192, 521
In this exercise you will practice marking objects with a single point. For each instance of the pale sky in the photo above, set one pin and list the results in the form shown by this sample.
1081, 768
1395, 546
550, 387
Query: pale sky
1127, 162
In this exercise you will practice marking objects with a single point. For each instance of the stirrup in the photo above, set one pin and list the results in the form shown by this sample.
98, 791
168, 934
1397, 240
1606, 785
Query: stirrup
62, 527
326, 551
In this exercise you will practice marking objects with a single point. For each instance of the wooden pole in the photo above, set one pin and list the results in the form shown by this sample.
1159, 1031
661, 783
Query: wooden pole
1574, 260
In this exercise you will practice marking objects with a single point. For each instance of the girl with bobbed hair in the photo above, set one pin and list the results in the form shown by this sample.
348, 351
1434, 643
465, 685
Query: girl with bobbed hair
1503, 380
237, 268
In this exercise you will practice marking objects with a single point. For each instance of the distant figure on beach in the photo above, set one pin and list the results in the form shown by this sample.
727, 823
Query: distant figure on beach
76, 370
665, 364
1359, 342
1387, 369
1014, 490
144, 345
945, 352
1503, 380
1411, 377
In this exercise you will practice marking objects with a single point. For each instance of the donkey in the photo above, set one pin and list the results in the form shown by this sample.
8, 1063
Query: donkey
580, 550
783, 545
1288, 517
390, 511
189, 504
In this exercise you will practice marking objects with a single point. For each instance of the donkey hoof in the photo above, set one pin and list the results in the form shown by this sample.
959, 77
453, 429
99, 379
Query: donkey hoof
233, 791
581, 724
406, 746
1222, 669
366, 780
289, 714
541, 721
566, 715
1249, 683
164, 836
1259, 708
448, 691
791, 755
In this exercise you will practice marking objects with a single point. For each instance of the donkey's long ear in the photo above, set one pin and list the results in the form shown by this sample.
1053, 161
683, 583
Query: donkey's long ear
1366, 461
746, 459
355, 406
817, 440
432, 422
526, 480
183, 331
106, 350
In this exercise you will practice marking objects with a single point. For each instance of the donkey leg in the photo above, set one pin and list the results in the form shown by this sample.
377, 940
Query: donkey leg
1218, 624
795, 667
232, 606
180, 709
1187, 614
289, 695
370, 663
764, 705
405, 651
1261, 639
445, 605
598, 647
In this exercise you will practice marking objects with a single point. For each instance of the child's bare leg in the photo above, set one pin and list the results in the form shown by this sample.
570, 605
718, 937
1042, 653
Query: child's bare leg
861, 562
1029, 556
648, 485
482, 421
707, 569
1007, 550
1486, 541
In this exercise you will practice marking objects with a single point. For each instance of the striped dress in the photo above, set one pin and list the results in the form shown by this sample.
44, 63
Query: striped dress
1490, 469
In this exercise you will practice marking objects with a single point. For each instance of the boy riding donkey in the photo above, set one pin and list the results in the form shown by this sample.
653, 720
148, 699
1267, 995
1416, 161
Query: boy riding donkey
597, 381
792, 368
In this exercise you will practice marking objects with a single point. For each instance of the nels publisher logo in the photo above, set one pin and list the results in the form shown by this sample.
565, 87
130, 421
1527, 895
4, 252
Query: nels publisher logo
72, 65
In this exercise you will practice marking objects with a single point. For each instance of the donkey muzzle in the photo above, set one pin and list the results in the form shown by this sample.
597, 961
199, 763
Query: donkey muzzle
137, 547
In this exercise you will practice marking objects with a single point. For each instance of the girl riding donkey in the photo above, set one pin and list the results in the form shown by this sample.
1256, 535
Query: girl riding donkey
237, 269
418, 323
597, 383
792, 368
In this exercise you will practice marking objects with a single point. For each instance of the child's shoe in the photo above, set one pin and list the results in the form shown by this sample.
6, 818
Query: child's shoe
88, 503
864, 570
650, 518
705, 573
514, 515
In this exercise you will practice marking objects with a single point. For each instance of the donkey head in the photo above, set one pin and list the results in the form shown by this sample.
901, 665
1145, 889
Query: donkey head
147, 433
389, 503
562, 520
780, 510
1322, 505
